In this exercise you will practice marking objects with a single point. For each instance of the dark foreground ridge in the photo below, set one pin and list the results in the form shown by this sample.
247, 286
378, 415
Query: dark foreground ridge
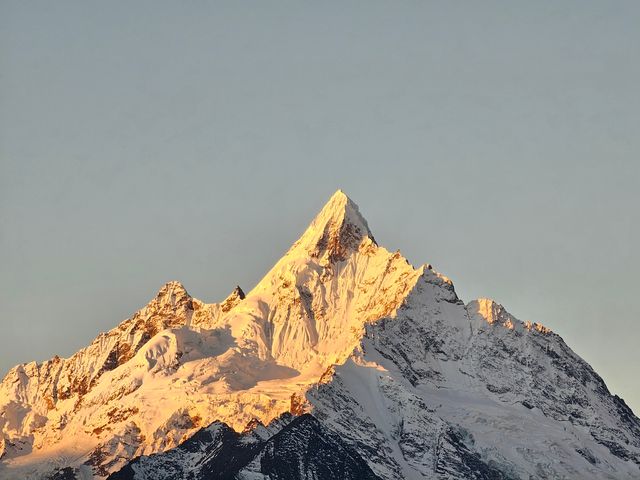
302, 449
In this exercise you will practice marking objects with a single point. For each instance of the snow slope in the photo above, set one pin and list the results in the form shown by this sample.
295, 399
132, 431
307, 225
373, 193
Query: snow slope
384, 355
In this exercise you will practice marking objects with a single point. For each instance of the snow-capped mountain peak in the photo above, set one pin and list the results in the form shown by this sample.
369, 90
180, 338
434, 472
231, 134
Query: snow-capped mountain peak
388, 374
486, 310
336, 231
172, 295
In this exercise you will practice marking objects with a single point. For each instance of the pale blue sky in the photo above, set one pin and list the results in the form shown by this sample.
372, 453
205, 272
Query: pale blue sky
142, 142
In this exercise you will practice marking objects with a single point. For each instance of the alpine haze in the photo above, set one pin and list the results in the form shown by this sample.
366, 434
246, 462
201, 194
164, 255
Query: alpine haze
147, 141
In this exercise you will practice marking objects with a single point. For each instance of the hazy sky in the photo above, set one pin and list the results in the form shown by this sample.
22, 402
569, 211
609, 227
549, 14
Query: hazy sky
142, 142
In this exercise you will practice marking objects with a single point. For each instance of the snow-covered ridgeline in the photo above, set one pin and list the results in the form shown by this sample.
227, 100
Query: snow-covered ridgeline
384, 356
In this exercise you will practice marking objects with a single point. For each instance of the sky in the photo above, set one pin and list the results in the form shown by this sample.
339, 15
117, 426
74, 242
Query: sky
148, 141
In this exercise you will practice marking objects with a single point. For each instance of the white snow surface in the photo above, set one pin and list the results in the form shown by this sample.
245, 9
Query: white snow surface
383, 353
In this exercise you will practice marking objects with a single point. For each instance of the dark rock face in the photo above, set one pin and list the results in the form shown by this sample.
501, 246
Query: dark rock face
302, 449
457, 460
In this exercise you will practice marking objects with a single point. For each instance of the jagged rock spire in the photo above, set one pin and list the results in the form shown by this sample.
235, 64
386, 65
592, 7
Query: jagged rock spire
238, 292
235, 297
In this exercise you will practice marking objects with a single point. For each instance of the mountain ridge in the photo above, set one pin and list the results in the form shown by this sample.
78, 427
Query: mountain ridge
385, 356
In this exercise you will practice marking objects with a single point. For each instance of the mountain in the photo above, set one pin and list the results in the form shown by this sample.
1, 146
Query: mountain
387, 373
